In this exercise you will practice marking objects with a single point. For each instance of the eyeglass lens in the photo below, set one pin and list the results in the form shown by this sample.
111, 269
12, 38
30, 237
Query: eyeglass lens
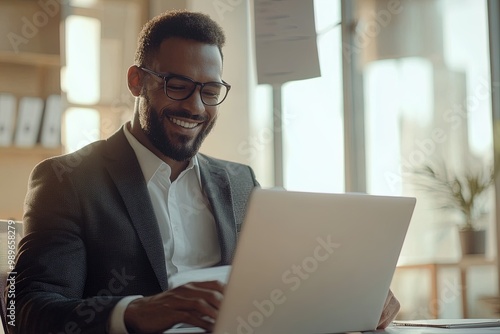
178, 88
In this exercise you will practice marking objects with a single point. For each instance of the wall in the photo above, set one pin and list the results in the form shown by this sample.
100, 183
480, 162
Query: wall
239, 122
234, 114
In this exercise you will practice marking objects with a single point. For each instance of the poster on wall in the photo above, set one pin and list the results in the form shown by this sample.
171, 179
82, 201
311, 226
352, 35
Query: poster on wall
285, 41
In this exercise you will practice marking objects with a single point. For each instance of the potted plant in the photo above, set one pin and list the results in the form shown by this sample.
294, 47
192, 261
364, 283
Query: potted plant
463, 193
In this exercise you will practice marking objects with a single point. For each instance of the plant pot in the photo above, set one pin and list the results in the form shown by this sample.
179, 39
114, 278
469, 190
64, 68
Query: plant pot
473, 242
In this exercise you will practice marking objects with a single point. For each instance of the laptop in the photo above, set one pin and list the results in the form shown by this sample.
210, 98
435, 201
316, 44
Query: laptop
312, 263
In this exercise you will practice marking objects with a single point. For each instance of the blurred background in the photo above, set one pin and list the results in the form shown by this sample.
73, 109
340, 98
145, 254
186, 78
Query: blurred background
327, 96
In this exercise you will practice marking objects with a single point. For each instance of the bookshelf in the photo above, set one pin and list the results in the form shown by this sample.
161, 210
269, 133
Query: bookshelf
30, 66
31, 63
30, 58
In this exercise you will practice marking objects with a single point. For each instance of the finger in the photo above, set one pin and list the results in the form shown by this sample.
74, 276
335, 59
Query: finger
391, 309
210, 285
199, 305
159, 312
211, 292
197, 320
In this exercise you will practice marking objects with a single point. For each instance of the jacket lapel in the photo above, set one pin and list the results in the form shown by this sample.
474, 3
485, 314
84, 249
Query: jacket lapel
126, 173
217, 187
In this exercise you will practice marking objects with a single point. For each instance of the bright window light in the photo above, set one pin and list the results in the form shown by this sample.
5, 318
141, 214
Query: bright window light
83, 35
83, 3
82, 127
312, 115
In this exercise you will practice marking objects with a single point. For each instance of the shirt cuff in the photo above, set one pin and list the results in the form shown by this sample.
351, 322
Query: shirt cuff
116, 320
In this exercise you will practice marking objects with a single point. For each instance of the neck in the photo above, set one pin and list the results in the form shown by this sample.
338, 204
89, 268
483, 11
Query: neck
176, 167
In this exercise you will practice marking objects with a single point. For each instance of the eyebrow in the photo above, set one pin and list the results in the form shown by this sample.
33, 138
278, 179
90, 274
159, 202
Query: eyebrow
185, 76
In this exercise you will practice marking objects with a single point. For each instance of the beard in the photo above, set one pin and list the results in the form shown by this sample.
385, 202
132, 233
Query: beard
174, 146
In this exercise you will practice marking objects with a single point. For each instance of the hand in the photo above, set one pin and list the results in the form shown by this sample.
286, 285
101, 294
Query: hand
195, 303
391, 309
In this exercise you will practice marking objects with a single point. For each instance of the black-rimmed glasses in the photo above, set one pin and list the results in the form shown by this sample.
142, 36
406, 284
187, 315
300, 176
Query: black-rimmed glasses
178, 87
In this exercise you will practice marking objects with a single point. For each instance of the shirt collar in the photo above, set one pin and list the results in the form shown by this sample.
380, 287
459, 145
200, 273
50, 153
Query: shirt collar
149, 162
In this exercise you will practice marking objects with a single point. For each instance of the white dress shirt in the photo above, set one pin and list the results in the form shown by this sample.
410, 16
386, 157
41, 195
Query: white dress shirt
186, 223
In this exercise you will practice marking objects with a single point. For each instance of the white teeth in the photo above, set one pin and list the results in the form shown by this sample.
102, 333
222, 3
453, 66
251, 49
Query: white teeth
183, 124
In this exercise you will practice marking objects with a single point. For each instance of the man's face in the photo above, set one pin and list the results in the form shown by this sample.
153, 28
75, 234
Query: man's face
178, 128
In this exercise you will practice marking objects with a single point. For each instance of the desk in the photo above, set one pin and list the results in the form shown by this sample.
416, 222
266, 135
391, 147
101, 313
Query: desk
433, 268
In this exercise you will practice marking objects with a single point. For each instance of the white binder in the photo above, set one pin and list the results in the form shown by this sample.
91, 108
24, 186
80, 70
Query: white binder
28, 121
51, 127
7, 118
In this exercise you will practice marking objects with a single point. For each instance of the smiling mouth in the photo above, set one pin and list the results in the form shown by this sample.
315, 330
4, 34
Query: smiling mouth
183, 124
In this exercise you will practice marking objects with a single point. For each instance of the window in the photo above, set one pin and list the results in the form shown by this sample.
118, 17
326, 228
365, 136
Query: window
99, 42
312, 121
430, 105
422, 92
427, 98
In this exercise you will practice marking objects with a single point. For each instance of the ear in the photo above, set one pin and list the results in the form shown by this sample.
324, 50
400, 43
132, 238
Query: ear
134, 80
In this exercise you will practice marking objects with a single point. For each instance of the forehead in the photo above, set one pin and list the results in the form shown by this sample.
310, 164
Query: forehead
199, 61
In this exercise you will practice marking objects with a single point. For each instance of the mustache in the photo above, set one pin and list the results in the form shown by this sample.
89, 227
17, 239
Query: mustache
183, 114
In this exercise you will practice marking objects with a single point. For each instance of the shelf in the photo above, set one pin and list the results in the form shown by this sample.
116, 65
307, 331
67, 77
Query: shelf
38, 151
30, 58
30, 66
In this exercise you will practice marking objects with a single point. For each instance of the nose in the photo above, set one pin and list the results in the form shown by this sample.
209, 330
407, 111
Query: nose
194, 103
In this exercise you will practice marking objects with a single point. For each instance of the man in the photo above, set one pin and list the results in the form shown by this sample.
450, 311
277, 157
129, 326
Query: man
108, 225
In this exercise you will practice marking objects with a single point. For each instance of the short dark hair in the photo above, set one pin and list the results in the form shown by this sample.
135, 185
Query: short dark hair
177, 23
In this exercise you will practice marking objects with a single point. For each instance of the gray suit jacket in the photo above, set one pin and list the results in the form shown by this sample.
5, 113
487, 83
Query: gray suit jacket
92, 235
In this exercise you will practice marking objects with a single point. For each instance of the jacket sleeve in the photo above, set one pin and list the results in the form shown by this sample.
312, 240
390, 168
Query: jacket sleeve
51, 264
